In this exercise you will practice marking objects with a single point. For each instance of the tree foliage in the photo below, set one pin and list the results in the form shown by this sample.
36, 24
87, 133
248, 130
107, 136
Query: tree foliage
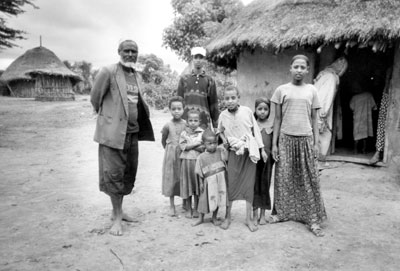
196, 21
160, 81
11, 8
84, 69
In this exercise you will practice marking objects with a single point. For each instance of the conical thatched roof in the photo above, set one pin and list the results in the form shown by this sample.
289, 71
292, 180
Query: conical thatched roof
278, 24
39, 60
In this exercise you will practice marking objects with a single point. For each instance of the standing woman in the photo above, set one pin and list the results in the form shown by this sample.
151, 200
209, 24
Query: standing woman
297, 189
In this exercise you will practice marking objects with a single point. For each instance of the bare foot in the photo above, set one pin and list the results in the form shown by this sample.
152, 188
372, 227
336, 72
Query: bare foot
195, 214
116, 228
172, 211
125, 217
198, 222
262, 221
189, 214
251, 226
225, 225
273, 219
216, 222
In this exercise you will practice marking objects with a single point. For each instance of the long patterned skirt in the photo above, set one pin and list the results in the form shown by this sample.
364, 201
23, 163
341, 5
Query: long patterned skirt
380, 134
297, 189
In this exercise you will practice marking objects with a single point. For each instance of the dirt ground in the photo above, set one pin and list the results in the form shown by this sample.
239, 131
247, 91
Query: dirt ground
53, 216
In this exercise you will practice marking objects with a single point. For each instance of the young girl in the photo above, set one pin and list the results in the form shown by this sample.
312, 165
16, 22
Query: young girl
210, 168
170, 141
239, 129
297, 193
262, 199
191, 146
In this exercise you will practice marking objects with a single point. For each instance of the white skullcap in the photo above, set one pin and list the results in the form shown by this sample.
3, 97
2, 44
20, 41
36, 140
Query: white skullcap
198, 51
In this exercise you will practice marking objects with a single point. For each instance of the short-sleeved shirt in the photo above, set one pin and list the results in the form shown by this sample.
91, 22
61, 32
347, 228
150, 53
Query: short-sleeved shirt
297, 103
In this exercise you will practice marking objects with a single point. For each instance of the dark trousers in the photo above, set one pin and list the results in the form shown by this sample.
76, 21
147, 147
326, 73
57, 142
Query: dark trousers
117, 168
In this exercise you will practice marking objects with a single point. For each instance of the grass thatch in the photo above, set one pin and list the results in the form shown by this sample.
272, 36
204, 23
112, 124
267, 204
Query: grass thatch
278, 24
39, 60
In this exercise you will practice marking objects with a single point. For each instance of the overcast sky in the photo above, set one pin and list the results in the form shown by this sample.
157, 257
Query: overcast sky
89, 30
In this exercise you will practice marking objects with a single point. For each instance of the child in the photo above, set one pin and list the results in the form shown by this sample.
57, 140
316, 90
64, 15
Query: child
210, 168
191, 146
262, 199
170, 142
297, 193
237, 125
362, 104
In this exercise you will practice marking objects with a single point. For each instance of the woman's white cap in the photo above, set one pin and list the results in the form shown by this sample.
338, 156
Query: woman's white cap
198, 51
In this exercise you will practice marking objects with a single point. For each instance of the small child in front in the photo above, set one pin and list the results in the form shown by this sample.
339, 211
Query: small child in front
171, 170
240, 133
211, 170
191, 145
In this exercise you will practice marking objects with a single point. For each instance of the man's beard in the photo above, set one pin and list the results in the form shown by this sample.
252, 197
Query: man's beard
128, 64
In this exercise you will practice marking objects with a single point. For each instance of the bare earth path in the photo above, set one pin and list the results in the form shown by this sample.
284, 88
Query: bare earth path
54, 218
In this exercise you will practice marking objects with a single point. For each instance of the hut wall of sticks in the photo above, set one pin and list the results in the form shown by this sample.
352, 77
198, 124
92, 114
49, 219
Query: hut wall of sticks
260, 41
40, 74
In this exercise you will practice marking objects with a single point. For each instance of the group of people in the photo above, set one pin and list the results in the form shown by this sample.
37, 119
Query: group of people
213, 159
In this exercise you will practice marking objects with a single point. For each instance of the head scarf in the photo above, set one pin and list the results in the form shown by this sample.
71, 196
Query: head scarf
339, 66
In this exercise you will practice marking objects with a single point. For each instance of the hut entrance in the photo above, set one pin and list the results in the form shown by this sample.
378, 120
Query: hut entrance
360, 88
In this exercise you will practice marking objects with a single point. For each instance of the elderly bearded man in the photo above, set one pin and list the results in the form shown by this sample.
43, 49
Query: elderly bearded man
123, 120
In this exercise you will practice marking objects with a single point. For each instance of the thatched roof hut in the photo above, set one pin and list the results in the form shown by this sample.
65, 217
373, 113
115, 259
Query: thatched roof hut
41, 74
278, 24
260, 42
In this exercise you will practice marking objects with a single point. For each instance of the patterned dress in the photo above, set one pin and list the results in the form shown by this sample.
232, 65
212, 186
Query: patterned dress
212, 173
380, 133
171, 166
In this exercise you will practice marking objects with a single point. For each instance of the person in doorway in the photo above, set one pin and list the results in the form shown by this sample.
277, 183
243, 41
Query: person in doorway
362, 104
123, 119
297, 193
327, 82
380, 133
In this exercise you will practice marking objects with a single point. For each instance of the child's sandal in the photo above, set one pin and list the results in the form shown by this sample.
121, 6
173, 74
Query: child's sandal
316, 230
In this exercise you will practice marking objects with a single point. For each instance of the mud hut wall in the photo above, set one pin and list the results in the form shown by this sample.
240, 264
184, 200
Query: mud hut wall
53, 86
393, 119
261, 72
22, 88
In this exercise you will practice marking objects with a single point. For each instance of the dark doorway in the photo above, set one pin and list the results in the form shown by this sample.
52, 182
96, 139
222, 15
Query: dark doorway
366, 73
